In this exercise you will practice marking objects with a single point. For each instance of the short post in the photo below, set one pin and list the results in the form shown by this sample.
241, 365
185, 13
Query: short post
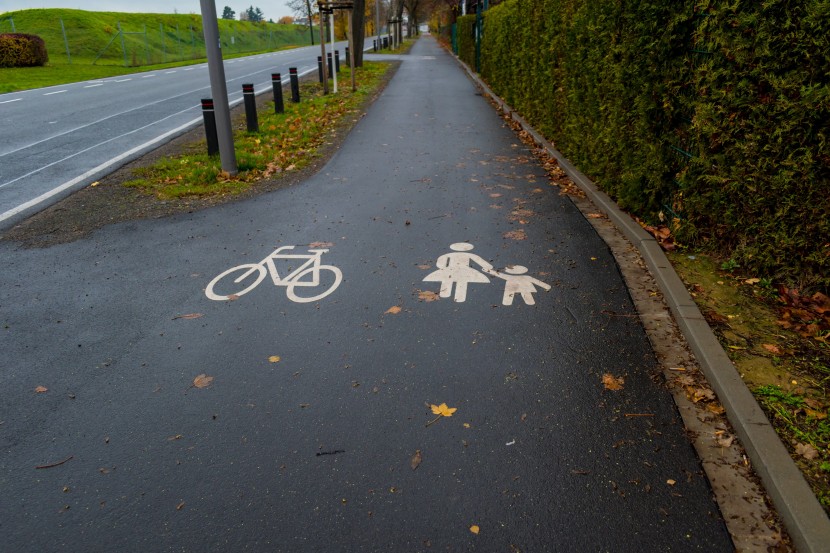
276, 84
348, 59
295, 85
320, 68
375, 45
210, 126
337, 61
250, 107
328, 61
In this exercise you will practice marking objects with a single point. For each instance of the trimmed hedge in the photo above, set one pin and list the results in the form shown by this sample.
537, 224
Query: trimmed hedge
715, 118
22, 50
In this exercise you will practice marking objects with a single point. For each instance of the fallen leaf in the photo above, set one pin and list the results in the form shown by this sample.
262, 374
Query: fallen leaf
394, 310
320, 245
233, 297
807, 451
715, 408
443, 410
772, 348
612, 383
180, 506
466, 425
671, 482
202, 381
752, 281
725, 440
176, 437
425, 267
189, 316
416, 459
813, 414
41, 389
516, 235
427, 296
274, 359
475, 529
595, 215
495, 195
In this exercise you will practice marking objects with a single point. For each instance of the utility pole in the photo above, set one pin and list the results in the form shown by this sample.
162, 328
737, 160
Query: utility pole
218, 87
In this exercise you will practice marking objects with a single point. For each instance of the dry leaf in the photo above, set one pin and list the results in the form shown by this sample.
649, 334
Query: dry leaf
320, 245
443, 410
394, 310
725, 440
752, 281
495, 195
427, 296
516, 235
671, 482
812, 413
612, 383
595, 215
715, 408
189, 316
475, 529
233, 297
807, 451
772, 348
416, 459
41, 389
176, 437
202, 381
180, 506
274, 359
425, 267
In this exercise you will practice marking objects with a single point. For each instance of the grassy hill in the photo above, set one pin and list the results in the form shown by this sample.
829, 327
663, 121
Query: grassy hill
147, 38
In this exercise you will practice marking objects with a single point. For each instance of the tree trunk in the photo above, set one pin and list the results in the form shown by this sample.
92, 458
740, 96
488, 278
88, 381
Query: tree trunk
310, 20
358, 19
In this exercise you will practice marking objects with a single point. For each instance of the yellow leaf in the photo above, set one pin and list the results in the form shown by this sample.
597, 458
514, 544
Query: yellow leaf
41, 389
394, 310
443, 410
671, 482
202, 381
274, 359
427, 296
475, 529
612, 383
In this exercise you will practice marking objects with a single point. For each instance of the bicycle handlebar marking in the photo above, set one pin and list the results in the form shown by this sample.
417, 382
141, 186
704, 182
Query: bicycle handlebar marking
310, 269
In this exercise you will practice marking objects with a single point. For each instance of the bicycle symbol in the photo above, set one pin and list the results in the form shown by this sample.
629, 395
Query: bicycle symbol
307, 275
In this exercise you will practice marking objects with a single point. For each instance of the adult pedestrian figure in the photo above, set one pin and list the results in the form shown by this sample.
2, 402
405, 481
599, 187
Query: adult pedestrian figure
454, 268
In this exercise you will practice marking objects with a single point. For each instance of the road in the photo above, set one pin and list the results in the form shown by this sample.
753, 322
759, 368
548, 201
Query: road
59, 139
143, 412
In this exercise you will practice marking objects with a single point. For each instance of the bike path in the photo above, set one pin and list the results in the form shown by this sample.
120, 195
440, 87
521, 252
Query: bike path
313, 434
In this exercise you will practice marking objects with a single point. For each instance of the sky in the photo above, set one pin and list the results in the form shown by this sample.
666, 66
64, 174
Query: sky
272, 9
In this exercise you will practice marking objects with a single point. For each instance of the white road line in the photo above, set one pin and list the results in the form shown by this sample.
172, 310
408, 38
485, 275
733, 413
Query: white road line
148, 76
107, 164
56, 92
189, 68
168, 72
9, 101
93, 85
122, 80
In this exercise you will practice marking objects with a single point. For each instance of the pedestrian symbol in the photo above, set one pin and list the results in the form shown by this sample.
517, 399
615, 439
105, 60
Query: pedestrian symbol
455, 270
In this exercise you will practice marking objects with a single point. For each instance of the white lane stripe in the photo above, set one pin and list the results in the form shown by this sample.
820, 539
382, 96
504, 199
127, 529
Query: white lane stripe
122, 80
148, 76
93, 85
9, 101
107, 164
56, 92
168, 72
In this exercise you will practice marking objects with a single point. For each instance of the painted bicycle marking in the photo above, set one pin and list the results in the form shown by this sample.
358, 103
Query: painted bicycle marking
307, 275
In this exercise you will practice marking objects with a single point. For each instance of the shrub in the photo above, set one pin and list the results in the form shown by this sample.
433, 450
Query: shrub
22, 50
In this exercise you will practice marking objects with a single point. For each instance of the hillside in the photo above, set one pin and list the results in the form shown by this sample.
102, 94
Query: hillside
148, 38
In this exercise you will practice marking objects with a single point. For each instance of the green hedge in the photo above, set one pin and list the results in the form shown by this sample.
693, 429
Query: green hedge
713, 117
22, 50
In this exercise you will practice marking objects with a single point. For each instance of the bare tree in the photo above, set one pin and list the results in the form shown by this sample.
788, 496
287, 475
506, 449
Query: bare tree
413, 9
304, 8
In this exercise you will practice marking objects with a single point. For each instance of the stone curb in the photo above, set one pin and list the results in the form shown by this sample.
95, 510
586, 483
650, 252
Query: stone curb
805, 519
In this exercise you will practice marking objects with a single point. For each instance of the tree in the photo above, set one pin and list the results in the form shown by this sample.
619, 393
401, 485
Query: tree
228, 13
252, 14
413, 9
304, 9
358, 17
286, 20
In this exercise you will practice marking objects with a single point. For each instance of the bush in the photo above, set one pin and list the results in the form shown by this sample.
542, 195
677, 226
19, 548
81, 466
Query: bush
22, 50
715, 118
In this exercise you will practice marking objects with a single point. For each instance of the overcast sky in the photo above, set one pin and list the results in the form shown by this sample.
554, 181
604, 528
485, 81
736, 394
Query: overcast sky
272, 9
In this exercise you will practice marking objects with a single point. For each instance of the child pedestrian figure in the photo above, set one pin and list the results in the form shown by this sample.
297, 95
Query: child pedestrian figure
517, 282
454, 268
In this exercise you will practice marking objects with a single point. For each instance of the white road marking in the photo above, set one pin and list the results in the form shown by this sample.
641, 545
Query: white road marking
9, 101
122, 80
106, 165
148, 76
93, 85
56, 92
168, 72
189, 68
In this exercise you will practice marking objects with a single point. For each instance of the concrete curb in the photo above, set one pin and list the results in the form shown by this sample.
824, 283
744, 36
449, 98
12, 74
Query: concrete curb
805, 519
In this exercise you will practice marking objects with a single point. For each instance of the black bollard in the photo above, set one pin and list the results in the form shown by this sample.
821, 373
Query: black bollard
320, 68
385, 42
348, 59
250, 107
276, 84
210, 126
375, 45
337, 60
295, 85
328, 60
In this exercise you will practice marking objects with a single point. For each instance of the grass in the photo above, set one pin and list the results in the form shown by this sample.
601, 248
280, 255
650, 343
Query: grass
787, 372
286, 142
150, 41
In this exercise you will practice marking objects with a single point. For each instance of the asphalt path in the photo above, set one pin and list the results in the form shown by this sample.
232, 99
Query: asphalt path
169, 421
58, 139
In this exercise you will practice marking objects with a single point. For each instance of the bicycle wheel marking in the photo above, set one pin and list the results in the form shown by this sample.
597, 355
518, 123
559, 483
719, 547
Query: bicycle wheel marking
304, 273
